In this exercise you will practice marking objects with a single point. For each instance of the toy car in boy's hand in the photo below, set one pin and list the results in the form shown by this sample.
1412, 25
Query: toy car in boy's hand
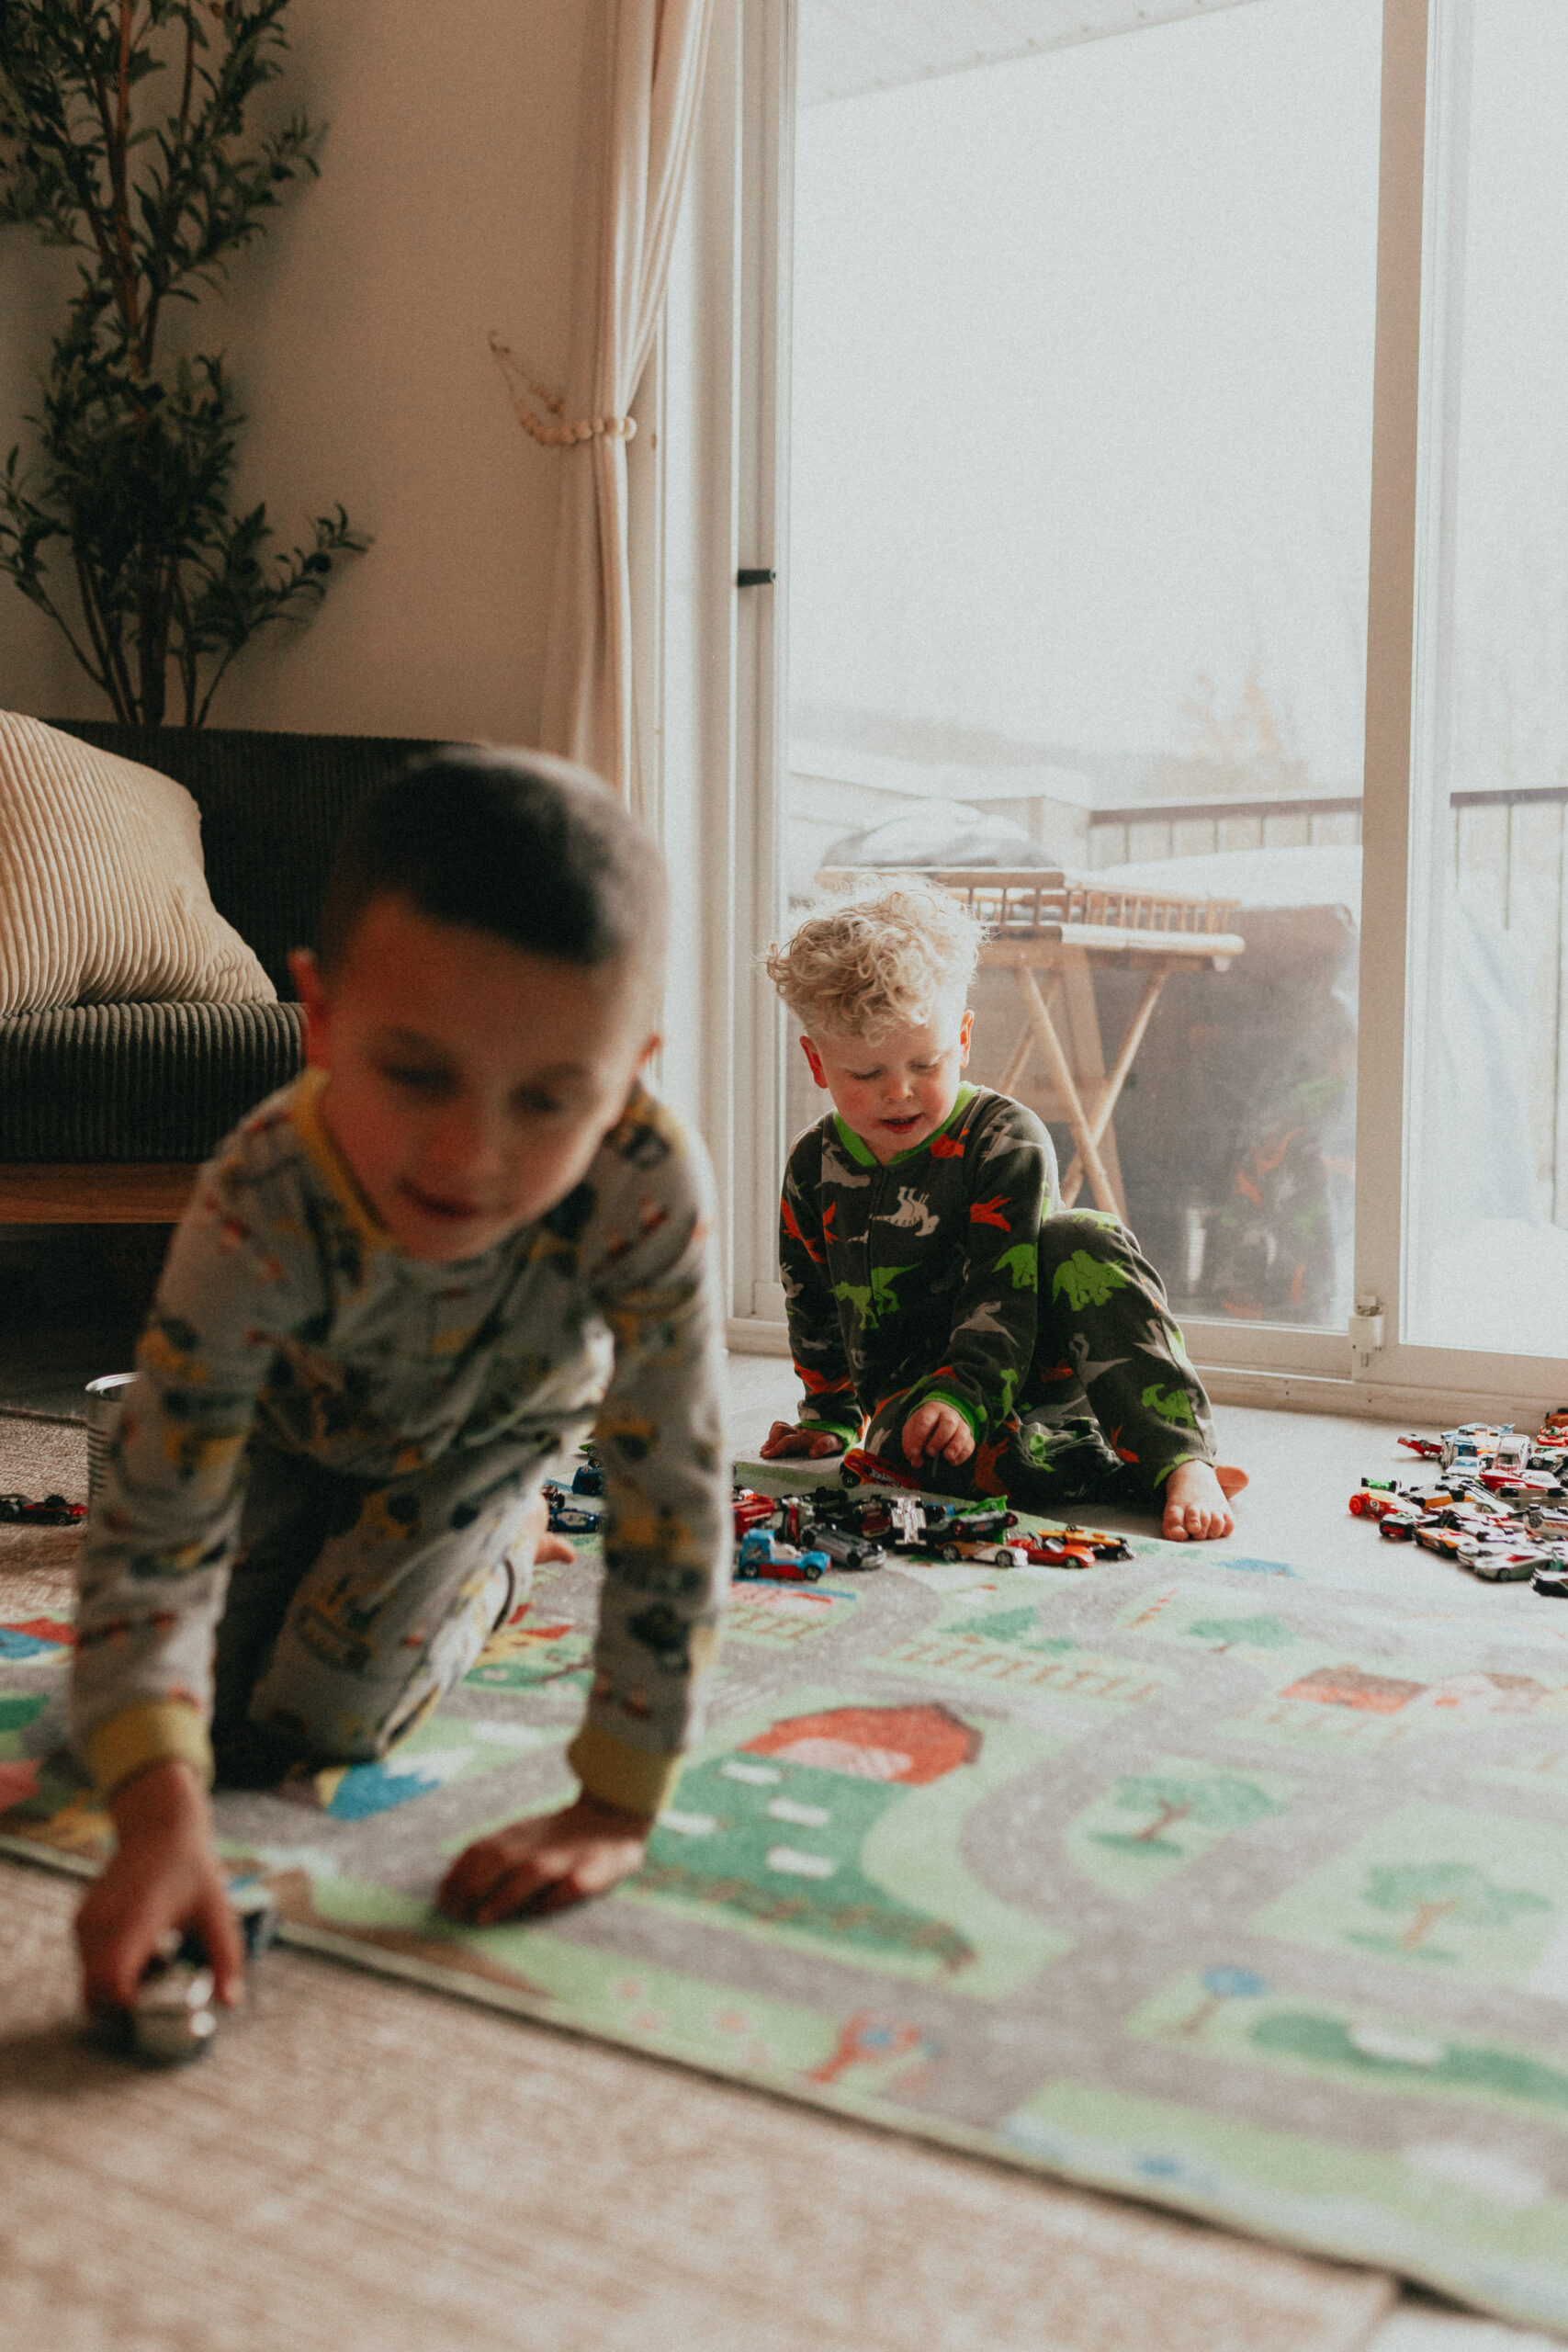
763, 1555
171, 2020
860, 1468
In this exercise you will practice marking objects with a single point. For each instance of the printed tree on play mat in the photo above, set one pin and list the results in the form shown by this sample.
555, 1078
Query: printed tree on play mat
1431, 1892
1219, 1801
1256, 1633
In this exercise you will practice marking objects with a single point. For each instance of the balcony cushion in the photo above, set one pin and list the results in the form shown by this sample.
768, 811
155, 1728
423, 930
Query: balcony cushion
138, 1082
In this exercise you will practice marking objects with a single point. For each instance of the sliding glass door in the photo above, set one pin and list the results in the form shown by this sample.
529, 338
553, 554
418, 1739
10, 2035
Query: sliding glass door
1079, 476
1148, 477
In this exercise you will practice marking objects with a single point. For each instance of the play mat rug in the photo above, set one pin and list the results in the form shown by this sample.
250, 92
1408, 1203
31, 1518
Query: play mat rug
1184, 1877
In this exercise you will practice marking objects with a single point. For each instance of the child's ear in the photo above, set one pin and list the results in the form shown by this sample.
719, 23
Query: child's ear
966, 1031
815, 1058
306, 974
647, 1053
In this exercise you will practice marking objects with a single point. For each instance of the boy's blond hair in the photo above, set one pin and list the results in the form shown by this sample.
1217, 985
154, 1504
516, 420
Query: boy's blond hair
881, 959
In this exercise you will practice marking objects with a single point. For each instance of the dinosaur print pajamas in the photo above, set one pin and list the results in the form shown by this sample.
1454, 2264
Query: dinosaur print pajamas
951, 1276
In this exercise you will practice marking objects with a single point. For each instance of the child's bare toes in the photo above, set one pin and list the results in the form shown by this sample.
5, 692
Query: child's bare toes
1196, 1511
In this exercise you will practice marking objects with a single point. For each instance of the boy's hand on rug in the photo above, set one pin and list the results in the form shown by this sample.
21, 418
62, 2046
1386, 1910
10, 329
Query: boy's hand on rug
937, 1428
546, 1864
163, 1874
786, 1437
1197, 1503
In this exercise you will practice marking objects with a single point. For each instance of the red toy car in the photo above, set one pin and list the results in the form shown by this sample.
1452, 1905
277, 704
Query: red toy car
860, 1468
750, 1509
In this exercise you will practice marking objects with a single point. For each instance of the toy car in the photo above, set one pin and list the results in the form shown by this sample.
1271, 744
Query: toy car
1376, 1495
1057, 1552
588, 1480
762, 1554
18, 1510
972, 1522
171, 2019
1551, 1580
1471, 1445
1514, 1482
906, 1523
1428, 1448
845, 1550
1045, 1551
860, 1468
995, 1555
1450, 1543
1398, 1526
1498, 1565
750, 1509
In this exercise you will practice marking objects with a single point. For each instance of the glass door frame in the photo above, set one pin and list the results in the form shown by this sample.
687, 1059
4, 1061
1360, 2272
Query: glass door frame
728, 330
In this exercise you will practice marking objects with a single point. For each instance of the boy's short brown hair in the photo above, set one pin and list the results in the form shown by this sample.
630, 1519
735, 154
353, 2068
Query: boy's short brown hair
529, 849
880, 959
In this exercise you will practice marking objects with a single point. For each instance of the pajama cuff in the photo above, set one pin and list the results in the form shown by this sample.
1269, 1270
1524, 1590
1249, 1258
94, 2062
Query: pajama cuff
1163, 1472
155, 1731
825, 1425
621, 1775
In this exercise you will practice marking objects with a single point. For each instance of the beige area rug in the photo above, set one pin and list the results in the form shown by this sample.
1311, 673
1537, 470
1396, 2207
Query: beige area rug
367, 2166
38, 1564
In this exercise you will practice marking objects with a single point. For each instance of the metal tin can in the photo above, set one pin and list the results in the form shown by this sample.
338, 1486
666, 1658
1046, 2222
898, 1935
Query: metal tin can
103, 1411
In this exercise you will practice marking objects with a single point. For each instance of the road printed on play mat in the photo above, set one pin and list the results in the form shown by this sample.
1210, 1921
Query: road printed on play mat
1220, 1887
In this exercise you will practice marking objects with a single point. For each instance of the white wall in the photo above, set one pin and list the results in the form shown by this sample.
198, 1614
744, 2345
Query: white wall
356, 328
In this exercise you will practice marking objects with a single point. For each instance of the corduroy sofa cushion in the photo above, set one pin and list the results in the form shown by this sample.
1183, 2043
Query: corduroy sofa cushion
103, 895
138, 1082
272, 807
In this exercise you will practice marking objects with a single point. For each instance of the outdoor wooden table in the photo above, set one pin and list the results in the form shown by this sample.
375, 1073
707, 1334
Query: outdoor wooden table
1045, 929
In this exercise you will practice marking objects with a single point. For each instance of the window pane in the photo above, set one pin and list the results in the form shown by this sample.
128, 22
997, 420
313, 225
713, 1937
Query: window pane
1081, 432
1489, 1255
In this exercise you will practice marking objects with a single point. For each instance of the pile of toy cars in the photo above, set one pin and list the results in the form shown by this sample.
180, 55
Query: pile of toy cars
1498, 1507
856, 1525
862, 1526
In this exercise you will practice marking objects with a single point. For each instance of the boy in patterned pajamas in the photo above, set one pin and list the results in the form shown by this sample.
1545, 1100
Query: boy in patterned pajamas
945, 1312
406, 1285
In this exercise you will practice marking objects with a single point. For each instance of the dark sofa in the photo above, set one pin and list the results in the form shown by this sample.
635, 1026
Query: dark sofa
107, 1110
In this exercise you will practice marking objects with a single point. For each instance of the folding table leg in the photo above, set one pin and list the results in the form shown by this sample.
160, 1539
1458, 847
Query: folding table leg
1117, 1078
1018, 1060
1062, 1079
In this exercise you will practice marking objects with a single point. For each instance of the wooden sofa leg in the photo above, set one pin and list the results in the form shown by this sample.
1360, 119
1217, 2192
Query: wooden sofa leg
41, 1191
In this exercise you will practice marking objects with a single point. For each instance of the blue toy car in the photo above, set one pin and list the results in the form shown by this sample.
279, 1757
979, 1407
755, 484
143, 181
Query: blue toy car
762, 1554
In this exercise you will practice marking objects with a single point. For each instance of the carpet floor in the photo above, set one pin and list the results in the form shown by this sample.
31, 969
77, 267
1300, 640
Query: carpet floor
1194, 1879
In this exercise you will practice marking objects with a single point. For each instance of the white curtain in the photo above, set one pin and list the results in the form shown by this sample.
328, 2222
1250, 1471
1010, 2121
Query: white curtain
643, 73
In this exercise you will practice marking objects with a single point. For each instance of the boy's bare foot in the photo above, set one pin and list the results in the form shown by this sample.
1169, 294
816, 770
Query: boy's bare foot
1197, 1502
